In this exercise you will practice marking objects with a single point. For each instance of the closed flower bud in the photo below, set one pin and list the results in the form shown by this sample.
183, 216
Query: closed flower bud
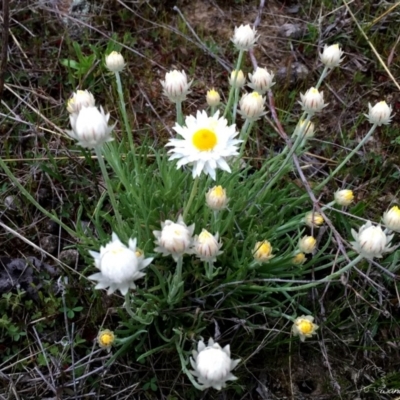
213, 98
261, 80
371, 241
379, 114
105, 339
391, 219
90, 127
344, 197
240, 79
252, 106
174, 239
262, 251
312, 101
212, 365
206, 246
176, 86
313, 219
115, 62
79, 99
307, 244
216, 198
306, 131
244, 37
331, 56
299, 259
304, 327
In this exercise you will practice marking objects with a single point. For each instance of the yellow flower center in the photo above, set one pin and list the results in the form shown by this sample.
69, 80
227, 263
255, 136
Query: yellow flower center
218, 191
117, 250
305, 327
396, 210
106, 338
204, 139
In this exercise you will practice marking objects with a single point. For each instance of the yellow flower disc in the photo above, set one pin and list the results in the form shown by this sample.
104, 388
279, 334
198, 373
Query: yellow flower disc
204, 139
305, 326
106, 338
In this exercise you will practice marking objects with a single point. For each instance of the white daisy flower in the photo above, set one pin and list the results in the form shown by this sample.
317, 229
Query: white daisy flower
206, 143
119, 266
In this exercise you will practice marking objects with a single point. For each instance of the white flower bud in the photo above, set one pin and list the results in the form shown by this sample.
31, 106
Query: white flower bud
176, 86
262, 251
206, 246
212, 365
312, 101
344, 197
252, 106
314, 219
379, 114
115, 62
79, 99
240, 79
331, 55
174, 239
216, 198
213, 98
307, 131
391, 219
307, 244
119, 266
261, 80
90, 127
244, 37
371, 241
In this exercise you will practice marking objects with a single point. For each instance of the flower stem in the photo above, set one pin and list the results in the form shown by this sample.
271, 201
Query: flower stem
179, 114
232, 90
127, 125
108, 184
244, 135
191, 197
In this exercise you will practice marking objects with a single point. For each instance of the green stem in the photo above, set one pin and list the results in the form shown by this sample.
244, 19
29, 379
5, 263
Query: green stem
244, 135
351, 154
322, 77
235, 104
108, 184
191, 198
316, 283
232, 90
179, 114
33, 201
127, 125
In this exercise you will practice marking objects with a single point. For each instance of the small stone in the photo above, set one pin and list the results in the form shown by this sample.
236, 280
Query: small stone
69, 257
49, 243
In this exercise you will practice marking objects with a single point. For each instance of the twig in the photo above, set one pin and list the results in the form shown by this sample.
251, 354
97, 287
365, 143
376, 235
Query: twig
4, 43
